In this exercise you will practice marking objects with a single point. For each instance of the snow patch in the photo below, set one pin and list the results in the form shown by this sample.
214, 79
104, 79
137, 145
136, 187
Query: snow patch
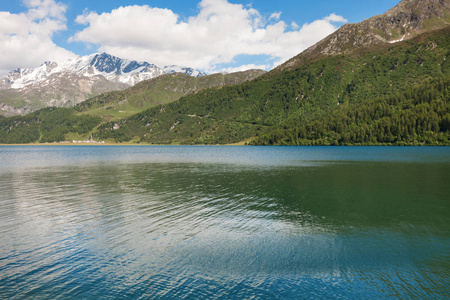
99, 64
396, 41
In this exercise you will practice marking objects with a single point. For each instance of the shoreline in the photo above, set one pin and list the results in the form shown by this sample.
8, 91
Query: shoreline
240, 144
85, 144
109, 144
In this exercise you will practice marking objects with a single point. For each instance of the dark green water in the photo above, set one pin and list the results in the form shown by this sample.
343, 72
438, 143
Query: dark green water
224, 222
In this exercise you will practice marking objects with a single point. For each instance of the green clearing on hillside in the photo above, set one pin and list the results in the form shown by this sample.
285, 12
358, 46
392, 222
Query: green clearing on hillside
162, 90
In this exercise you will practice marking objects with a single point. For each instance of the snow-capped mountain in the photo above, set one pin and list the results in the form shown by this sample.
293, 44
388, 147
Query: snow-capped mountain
184, 70
71, 82
112, 68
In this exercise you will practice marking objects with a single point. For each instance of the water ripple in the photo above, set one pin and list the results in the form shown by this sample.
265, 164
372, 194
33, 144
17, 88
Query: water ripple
213, 231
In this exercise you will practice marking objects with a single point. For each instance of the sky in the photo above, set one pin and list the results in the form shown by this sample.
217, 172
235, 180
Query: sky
209, 35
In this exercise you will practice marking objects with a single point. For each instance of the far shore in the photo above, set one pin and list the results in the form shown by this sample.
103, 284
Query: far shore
103, 143
111, 144
88, 144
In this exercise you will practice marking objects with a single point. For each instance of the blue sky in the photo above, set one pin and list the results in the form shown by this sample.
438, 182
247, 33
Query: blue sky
211, 35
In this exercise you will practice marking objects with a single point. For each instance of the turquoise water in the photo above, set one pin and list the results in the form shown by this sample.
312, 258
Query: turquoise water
80, 222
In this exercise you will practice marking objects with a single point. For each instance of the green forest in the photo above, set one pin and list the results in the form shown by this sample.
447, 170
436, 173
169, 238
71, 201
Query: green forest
417, 117
45, 126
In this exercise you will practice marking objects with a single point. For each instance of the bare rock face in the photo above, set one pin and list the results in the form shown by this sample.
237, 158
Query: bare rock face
8, 110
74, 81
405, 21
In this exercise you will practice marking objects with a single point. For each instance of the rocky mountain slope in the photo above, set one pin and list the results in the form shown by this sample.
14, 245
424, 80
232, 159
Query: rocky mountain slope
66, 84
403, 22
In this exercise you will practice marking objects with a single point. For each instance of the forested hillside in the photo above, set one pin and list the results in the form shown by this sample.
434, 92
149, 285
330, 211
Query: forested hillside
420, 116
45, 125
254, 109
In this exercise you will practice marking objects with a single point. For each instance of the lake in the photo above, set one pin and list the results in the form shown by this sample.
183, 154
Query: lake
163, 222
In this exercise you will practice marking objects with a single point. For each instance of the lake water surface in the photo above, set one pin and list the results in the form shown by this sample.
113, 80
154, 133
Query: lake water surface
93, 222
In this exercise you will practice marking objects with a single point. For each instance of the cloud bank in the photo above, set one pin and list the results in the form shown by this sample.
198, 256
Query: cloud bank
218, 33
26, 38
211, 40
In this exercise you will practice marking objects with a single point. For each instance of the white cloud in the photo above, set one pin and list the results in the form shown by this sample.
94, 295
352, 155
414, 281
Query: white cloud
275, 16
26, 38
42, 9
335, 18
216, 35
244, 68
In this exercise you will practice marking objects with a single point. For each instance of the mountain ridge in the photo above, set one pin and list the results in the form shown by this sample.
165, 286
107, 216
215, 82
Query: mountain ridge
111, 67
406, 20
75, 80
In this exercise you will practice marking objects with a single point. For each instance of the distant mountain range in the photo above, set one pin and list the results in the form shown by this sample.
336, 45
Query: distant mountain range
69, 83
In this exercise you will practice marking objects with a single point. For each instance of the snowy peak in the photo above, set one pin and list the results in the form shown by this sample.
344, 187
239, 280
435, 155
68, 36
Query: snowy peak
106, 63
22, 77
184, 70
74, 81
113, 68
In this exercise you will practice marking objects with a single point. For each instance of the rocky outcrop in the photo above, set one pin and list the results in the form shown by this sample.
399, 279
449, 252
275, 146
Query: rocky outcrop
405, 21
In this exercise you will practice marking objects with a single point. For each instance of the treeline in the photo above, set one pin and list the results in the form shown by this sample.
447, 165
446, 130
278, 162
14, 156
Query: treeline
420, 116
46, 125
